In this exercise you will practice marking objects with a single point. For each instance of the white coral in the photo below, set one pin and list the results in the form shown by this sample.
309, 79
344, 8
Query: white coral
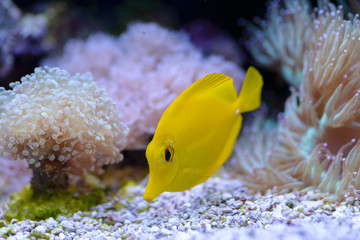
60, 123
143, 70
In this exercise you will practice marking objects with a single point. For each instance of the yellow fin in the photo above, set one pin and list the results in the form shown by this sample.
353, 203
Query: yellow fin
250, 96
216, 84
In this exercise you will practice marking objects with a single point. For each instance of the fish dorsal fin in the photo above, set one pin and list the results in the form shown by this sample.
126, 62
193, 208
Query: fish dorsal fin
215, 84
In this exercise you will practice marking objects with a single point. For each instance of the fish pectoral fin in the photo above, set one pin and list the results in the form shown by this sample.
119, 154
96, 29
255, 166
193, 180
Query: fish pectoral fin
250, 95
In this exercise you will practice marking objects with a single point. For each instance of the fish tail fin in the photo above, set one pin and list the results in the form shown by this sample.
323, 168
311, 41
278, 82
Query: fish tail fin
250, 95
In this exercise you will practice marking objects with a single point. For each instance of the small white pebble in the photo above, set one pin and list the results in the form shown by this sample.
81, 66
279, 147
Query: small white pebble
51, 223
57, 231
76, 217
226, 209
226, 196
165, 231
66, 224
40, 229
61, 236
61, 218
155, 229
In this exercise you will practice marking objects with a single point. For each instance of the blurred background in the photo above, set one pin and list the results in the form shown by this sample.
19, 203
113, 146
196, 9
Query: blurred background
211, 25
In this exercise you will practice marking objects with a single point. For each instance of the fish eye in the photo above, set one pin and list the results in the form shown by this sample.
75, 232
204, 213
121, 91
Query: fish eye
168, 153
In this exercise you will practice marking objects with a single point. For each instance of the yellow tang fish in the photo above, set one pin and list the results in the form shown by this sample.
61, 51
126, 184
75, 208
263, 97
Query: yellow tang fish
197, 132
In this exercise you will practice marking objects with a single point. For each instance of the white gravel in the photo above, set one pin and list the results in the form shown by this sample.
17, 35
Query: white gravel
220, 208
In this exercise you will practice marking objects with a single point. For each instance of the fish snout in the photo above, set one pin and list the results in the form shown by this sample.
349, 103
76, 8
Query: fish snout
153, 189
150, 194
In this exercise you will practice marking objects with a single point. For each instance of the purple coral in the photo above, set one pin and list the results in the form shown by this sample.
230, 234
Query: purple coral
143, 70
64, 126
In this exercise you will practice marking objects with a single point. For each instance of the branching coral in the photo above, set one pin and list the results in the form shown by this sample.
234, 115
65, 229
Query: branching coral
317, 141
281, 41
62, 125
143, 70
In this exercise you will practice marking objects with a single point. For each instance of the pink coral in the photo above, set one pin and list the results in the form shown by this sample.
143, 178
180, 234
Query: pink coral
143, 70
13, 175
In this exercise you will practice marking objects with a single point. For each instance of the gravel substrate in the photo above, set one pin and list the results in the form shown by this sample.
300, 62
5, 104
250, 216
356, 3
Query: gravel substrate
220, 208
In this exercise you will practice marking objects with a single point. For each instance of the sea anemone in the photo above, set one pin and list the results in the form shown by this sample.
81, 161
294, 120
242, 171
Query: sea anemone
143, 70
317, 140
251, 153
64, 126
281, 41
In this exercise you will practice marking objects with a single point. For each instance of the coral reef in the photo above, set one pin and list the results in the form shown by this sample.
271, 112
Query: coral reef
64, 126
60, 127
317, 140
143, 70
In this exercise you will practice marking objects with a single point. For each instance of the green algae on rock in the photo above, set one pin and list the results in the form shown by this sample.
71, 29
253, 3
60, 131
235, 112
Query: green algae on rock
28, 204
5, 232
